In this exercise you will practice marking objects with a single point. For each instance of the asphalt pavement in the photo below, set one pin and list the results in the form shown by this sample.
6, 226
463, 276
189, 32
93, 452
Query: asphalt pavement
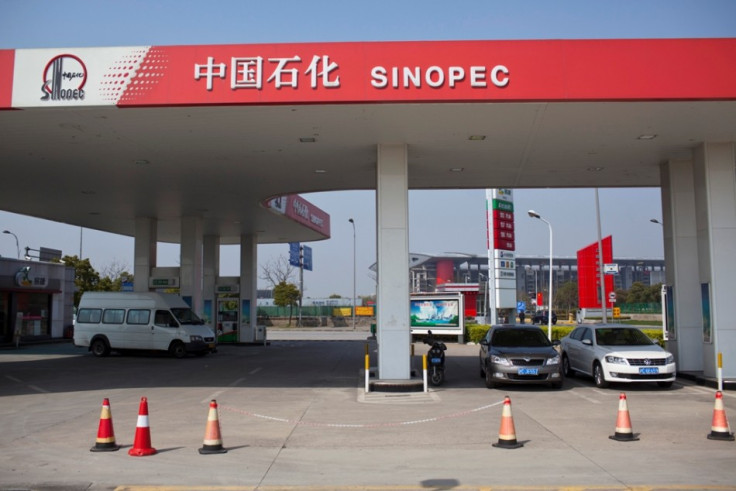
293, 414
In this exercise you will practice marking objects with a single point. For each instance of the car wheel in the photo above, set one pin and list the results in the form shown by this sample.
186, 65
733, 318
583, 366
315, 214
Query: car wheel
566, 370
665, 385
178, 350
600, 379
99, 348
490, 383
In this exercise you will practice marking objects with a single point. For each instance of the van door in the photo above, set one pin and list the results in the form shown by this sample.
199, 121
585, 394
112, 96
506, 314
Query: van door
139, 328
165, 329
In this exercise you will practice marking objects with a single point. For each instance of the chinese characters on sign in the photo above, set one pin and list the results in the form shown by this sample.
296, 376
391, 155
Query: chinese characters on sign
321, 71
247, 73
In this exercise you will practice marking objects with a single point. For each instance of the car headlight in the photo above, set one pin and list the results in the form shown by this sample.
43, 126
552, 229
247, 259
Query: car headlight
500, 360
196, 339
616, 359
669, 359
555, 360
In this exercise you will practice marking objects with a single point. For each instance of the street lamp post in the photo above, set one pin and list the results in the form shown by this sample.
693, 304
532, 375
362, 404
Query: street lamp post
534, 214
354, 269
17, 246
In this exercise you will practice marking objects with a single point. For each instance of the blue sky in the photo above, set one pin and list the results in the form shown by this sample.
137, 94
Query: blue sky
625, 213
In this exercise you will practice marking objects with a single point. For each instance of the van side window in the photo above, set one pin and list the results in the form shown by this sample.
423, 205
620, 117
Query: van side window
113, 316
165, 319
139, 316
89, 316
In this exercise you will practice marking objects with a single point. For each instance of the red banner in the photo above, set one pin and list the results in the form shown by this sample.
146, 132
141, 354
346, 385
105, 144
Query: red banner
7, 57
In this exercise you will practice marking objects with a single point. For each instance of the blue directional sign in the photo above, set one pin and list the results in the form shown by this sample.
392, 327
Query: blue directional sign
307, 258
294, 254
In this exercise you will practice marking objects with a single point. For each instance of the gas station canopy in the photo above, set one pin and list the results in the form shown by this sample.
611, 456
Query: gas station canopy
96, 137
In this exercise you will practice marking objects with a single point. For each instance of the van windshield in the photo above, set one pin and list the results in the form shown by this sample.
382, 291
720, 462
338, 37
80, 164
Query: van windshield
186, 316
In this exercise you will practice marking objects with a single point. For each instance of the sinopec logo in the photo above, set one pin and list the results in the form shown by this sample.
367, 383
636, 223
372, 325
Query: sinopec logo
64, 78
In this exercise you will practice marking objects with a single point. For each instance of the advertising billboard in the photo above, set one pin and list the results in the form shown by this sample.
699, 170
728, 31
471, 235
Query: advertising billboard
441, 314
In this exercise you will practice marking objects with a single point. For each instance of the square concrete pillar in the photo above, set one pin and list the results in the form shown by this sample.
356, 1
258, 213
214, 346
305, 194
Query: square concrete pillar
392, 222
146, 230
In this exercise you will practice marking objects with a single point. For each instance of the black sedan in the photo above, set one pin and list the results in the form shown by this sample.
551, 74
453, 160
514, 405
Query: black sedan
519, 354
541, 317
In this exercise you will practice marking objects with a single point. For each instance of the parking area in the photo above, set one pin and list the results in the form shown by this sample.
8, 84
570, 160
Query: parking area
294, 414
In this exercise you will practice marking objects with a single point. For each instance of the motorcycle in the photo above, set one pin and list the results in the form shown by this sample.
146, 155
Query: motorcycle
435, 359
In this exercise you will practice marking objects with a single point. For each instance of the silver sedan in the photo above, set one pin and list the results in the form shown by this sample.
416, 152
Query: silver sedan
616, 353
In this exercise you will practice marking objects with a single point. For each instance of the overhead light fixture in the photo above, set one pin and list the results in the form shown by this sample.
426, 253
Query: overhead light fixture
595, 169
142, 162
475, 138
646, 137
320, 171
308, 139
457, 169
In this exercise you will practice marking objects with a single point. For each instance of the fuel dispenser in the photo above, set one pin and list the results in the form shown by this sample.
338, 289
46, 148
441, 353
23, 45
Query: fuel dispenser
227, 319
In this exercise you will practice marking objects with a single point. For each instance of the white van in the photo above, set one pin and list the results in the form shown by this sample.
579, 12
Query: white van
109, 321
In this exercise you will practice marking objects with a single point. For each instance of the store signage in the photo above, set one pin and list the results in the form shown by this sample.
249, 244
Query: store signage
302, 211
24, 279
163, 282
411, 71
227, 289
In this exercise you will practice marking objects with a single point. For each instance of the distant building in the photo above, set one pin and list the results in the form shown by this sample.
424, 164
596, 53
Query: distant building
427, 273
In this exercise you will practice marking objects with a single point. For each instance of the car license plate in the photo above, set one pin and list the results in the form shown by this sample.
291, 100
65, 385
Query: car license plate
211, 346
648, 370
435, 361
528, 371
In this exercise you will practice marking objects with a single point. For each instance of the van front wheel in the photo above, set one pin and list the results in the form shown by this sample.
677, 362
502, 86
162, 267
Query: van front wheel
178, 350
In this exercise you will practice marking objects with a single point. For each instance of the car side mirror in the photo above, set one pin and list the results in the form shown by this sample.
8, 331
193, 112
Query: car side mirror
556, 342
587, 342
483, 342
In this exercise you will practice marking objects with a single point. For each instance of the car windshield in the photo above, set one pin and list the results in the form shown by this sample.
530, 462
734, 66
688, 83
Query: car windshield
621, 337
523, 338
186, 316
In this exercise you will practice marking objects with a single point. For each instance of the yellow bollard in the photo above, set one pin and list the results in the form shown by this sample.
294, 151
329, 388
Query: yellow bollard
424, 371
367, 372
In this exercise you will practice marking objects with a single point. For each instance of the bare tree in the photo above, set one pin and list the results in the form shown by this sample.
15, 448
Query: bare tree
277, 271
114, 270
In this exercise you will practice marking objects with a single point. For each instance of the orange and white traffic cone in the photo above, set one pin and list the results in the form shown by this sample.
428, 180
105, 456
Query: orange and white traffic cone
105, 433
142, 442
507, 432
212, 438
623, 422
719, 429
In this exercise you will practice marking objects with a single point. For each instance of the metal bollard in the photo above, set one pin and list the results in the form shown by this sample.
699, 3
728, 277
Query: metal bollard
424, 371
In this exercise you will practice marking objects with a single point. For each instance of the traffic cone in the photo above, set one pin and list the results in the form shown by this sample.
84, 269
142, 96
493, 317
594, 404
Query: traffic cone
212, 438
507, 433
142, 442
719, 429
105, 433
623, 422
